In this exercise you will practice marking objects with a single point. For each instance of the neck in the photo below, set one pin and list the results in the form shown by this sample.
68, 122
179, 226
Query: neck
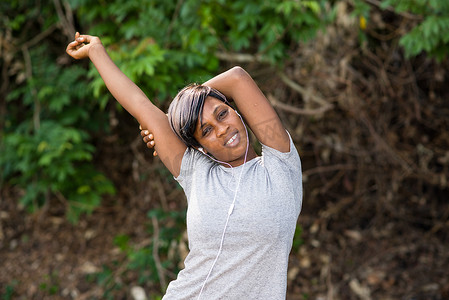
238, 162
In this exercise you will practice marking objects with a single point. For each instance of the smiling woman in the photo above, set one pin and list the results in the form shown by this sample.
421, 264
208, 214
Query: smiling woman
202, 117
186, 109
240, 228
222, 133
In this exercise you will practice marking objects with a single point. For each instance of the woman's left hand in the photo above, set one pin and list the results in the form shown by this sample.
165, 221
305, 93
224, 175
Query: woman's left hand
148, 139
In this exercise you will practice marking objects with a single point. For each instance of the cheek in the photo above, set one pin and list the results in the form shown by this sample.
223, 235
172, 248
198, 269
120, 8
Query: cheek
210, 144
205, 143
200, 139
236, 120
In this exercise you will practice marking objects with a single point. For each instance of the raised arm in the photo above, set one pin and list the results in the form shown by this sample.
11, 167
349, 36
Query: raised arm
261, 117
168, 146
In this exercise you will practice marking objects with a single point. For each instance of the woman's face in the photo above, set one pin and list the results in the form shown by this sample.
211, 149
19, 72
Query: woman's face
221, 132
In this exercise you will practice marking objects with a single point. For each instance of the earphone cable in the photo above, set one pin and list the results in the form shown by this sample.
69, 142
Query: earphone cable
231, 209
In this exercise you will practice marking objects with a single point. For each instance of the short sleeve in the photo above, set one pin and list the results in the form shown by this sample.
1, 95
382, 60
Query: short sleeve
290, 160
192, 161
186, 164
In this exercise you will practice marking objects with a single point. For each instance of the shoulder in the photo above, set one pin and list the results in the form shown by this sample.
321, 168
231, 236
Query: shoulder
286, 160
193, 162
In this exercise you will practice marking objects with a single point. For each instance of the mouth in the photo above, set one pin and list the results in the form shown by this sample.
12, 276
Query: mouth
233, 140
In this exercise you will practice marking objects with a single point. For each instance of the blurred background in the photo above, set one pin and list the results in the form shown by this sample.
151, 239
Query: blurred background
87, 212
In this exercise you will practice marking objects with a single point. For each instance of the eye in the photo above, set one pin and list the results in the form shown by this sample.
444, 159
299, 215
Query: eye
222, 114
206, 130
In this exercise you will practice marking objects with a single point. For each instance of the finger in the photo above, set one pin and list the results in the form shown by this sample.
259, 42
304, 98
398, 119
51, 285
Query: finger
72, 45
70, 50
144, 133
140, 127
86, 38
75, 45
150, 136
155, 153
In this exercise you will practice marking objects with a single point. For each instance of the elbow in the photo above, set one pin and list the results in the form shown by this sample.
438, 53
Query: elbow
238, 72
238, 75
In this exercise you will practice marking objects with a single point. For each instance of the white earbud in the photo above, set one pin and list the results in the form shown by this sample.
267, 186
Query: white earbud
201, 150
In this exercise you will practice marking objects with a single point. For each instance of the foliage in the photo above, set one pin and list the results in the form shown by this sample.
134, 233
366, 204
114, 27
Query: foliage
395, 159
429, 20
50, 284
161, 45
297, 239
9, 291
55, 106
45, 147
149, 262
106, 279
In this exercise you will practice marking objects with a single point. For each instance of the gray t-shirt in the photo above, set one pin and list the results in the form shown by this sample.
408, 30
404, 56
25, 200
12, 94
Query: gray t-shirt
254, 258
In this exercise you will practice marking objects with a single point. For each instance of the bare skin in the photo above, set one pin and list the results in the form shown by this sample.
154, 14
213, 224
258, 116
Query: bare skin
224, 138
168, 146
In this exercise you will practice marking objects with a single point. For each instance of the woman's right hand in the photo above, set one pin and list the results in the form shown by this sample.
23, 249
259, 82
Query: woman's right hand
80, 47
148, 139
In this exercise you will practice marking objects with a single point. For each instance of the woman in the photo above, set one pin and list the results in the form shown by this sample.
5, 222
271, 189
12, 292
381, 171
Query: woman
242, 208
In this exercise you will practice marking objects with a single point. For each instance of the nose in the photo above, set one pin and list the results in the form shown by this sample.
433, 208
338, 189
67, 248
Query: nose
221, 129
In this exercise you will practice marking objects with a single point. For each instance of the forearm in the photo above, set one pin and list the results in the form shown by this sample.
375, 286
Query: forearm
169, 147
126, 92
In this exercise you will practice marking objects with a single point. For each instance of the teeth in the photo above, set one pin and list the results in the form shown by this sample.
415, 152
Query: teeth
231, 139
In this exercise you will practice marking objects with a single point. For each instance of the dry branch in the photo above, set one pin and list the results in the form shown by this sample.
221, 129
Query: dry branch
295, 110
157, 261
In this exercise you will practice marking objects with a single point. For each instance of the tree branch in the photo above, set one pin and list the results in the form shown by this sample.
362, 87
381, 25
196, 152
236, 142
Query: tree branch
157, 261
296, 110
